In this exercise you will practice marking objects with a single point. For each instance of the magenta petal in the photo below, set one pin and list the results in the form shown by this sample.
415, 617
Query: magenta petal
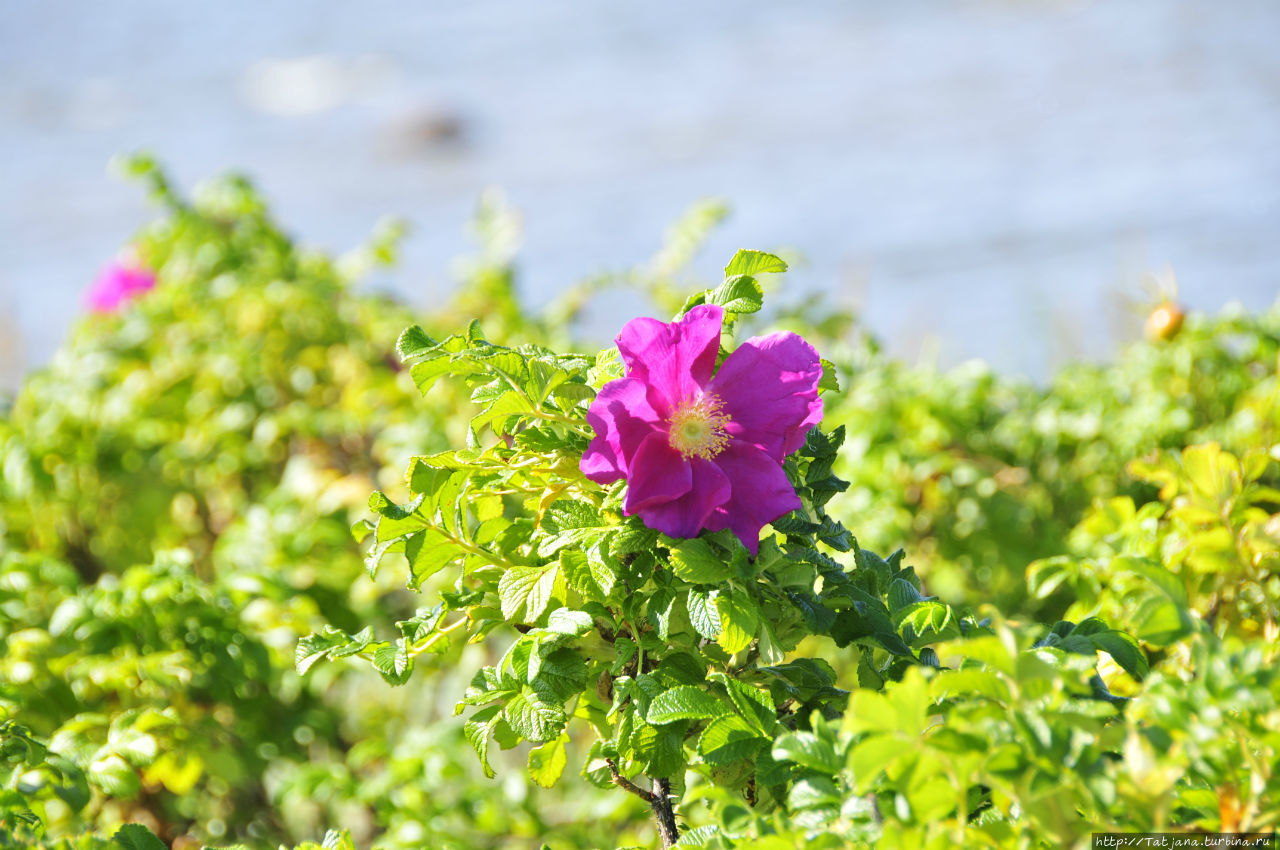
761, 493
687, 515
116, 284
675, 358
769, 387
621, 417
658, 474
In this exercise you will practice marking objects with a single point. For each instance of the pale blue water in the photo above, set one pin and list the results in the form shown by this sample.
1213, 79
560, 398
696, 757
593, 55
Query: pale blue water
992, 176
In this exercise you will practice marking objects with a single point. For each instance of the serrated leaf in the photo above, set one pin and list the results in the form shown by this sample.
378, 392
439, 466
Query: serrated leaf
660, 748
533, 719
739, 618
393, 661
686, 702
928, 620
817, 617
525, 591
561, 674
477, 730
630, 540
901, 594
740, 294
590, 573
547, 762
510, 403
703, 613
337, 839
428, 551
752, 703
565, 514
830, 380
697, 562
413, 342
754, 262
567, 622
698, 836
426, 373
729, 738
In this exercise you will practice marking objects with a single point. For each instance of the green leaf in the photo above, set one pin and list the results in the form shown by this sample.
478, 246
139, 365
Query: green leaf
533, 719
1125, 650
428, 551
739, 618
661, 748
561, 674
729, 738
426, 373
695, 561
413, 342
738, 294
394, 662
754, 262
547, 762
901, 594
525, 591
337, 839
752, 703
570, 523
928, 620
115, 777
133, 836
703, 613
137, 747
872, 756
477, 730
686, 702
590, 574
813, 792
510, 403
360, 529
830, 380
809, 750
932, 799
698, 836
566, 622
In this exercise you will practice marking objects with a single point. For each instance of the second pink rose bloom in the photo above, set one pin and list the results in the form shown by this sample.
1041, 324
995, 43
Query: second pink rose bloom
116, 284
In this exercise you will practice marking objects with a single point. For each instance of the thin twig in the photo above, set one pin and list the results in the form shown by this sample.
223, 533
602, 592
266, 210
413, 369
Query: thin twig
626, 784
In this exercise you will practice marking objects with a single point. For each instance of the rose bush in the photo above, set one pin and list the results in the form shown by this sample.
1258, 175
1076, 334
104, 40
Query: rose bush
635, 571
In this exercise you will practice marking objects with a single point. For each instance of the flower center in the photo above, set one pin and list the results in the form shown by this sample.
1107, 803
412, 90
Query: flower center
697, 427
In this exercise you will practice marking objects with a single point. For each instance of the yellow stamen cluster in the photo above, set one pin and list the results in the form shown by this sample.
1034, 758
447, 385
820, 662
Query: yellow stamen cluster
697, 427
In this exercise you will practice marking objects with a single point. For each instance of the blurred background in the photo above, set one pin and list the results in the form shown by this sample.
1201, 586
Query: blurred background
978, 179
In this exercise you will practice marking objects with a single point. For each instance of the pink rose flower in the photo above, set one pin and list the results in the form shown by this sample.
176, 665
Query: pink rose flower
116, 284
703, 451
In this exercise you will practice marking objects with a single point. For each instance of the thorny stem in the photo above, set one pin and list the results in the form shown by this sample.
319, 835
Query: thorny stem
659, 801
663, 812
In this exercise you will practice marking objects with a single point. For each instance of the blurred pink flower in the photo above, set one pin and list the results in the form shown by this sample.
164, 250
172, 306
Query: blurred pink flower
117, 283
702, 450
